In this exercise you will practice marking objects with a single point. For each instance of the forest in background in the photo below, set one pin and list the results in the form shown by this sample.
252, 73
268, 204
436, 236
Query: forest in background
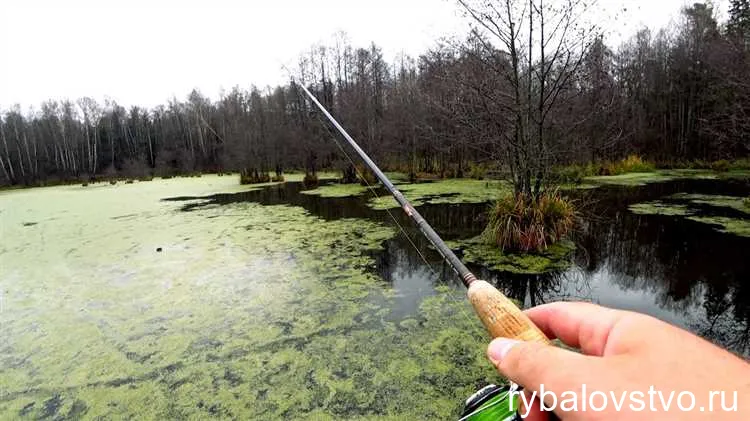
677, 95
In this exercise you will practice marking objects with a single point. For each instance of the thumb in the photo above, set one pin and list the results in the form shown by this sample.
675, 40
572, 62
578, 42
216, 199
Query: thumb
532, 364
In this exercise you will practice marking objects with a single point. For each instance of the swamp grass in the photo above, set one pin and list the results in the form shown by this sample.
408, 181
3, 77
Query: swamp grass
521, 223
249, 312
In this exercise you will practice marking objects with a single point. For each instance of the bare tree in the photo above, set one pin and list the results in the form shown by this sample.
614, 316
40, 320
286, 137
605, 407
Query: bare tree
545, 44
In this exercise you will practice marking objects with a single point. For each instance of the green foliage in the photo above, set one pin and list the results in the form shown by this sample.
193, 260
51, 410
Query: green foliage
746, 202
277, 179
520, 223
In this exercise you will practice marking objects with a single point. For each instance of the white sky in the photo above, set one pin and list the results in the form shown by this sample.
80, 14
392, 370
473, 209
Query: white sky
142, 52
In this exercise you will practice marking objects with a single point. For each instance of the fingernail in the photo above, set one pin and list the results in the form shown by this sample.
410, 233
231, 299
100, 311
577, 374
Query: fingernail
499, 348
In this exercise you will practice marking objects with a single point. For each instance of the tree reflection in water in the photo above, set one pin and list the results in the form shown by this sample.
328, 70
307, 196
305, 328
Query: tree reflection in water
680, 271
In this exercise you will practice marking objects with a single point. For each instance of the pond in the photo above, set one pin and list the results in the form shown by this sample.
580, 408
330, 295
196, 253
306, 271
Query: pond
199, 298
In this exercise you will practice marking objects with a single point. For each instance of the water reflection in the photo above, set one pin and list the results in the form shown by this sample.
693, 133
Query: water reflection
680, 271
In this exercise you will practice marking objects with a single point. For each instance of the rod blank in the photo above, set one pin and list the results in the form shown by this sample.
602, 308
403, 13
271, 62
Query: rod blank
455, 263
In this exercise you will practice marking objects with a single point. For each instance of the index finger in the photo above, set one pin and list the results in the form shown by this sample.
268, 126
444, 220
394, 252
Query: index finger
580, 325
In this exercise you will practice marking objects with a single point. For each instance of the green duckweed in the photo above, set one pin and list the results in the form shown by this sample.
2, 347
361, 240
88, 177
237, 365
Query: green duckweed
732, 202
693, 207
338, 190
556, 257
661, 208
247, 312
727, 225
446, 192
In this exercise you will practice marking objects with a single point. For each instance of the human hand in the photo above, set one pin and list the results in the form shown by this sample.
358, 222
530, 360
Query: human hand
624, 355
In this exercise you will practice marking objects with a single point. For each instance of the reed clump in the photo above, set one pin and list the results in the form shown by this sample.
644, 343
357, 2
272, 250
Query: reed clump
631, 164
254, 177
310, 180
577, 172
522, 223
477, 171
349, 175
365, 176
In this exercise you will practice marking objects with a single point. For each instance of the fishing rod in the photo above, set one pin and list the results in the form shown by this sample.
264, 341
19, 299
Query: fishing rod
500, 315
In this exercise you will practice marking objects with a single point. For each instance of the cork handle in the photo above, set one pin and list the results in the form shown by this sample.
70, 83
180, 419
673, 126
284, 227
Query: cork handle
501, 316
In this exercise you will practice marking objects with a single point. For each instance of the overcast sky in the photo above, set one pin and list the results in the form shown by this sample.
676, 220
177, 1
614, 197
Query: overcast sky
142, 52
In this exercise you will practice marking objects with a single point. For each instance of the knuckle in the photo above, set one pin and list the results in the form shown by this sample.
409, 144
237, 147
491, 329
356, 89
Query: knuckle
525, 359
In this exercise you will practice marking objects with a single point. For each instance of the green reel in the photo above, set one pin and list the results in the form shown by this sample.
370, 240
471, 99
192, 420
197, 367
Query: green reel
493, 403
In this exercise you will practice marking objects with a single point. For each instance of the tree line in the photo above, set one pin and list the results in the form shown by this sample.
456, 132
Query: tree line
529, 88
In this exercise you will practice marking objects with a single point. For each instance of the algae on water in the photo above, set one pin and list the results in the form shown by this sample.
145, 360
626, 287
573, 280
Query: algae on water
338, 190
445, 192
701, 208
249, 312
658, 176
734, 226
555, 258
732, 202
661, 208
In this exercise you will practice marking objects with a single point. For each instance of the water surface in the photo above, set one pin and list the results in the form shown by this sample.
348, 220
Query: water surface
265, 303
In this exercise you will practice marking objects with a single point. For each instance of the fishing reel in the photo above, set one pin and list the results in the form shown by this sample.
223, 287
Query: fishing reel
493, 403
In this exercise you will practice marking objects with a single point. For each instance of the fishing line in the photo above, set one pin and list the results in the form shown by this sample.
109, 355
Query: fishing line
499, 314
435, 275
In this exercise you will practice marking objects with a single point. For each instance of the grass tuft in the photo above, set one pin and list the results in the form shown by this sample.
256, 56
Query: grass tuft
254, 177
631, 164
477, 171
520, 223
721, 165
366, 177
310, 180
576, 173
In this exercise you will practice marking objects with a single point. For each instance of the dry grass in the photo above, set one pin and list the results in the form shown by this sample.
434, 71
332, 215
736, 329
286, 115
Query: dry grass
631, 164
310, 180
520, 223
577, 172
254, 177
365, 176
